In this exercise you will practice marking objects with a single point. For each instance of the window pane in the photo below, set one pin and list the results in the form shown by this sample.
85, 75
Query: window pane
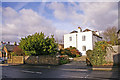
84, 48
70, 38
83, 38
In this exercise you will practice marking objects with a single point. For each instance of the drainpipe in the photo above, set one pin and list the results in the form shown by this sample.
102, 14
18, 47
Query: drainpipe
76, 40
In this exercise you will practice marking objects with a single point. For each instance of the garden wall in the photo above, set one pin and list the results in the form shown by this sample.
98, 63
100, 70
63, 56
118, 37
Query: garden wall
46, 59
113, 56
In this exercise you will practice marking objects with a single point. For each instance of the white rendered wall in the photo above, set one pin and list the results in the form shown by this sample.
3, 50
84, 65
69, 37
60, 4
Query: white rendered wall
79, 43
67, 42
87, 42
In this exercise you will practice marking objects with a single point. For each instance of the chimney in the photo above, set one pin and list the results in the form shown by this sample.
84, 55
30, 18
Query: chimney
79, 29
15, 43
97, 33
8, 43
1, 42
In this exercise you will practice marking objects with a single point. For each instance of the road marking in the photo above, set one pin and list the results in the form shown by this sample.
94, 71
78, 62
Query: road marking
75, 69
72, 76
31, 72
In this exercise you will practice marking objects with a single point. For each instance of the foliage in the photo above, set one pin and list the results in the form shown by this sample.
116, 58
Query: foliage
39, 44
17, 51
12, 53
71, 52
29, 53
97, 55
64, 59
110, 34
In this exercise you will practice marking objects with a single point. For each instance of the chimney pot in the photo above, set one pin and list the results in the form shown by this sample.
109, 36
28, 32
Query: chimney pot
79, 29
8, 43
15, 43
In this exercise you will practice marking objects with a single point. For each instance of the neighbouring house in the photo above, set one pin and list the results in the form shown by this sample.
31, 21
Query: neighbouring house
82, 40
2, 44
7, 49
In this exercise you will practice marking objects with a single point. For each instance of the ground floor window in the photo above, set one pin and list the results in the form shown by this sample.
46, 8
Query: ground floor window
84, 48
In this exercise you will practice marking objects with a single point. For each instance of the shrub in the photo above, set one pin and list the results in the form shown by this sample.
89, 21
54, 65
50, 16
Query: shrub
97, 55
71, 52
64, 59
29, 53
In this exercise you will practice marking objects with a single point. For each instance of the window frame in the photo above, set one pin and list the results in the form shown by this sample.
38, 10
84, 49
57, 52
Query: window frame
70, 38
84, 48
83, 38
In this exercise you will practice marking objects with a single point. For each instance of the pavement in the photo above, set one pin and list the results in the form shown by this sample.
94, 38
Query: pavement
75, 69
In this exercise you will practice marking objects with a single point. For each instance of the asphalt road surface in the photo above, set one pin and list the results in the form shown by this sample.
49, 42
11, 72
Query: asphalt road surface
70, 70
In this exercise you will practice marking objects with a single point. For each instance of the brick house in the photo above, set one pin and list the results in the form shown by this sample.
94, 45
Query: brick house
6, 49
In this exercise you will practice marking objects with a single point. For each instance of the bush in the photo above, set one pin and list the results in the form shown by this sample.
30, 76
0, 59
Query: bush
71, 52
64, 59
29, 53
97, 55
39, 44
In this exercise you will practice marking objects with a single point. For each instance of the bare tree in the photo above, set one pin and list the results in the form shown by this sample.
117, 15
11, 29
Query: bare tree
110, 34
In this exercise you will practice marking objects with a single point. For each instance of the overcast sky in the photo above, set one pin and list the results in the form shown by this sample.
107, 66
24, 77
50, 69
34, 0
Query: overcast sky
20, 19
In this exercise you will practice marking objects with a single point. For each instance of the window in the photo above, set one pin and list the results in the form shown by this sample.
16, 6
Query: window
83, 38
84, 48
70, 38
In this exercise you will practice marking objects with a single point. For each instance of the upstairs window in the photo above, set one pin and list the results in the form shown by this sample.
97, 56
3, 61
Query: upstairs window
83, 38
70, 38
84, 48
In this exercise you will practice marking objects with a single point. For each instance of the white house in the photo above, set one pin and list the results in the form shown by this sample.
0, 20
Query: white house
82, 40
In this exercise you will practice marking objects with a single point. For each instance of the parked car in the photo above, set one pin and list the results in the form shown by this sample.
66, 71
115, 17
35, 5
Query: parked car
1, 61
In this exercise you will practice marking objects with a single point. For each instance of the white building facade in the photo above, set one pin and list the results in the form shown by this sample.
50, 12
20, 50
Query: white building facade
83, 41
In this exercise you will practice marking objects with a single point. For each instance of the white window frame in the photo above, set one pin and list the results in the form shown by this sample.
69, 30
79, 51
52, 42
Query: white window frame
84, 48
70, 38
83, 38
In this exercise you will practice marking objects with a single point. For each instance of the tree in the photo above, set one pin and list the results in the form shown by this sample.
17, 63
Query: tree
17, 51
110, 34
39, 44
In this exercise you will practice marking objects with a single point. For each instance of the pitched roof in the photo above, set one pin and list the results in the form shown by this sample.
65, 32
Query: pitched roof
86, 30
118, 31
94, 33
10, 47
74, 31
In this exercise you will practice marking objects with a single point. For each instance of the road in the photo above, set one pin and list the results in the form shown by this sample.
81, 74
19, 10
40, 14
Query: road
71, 70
